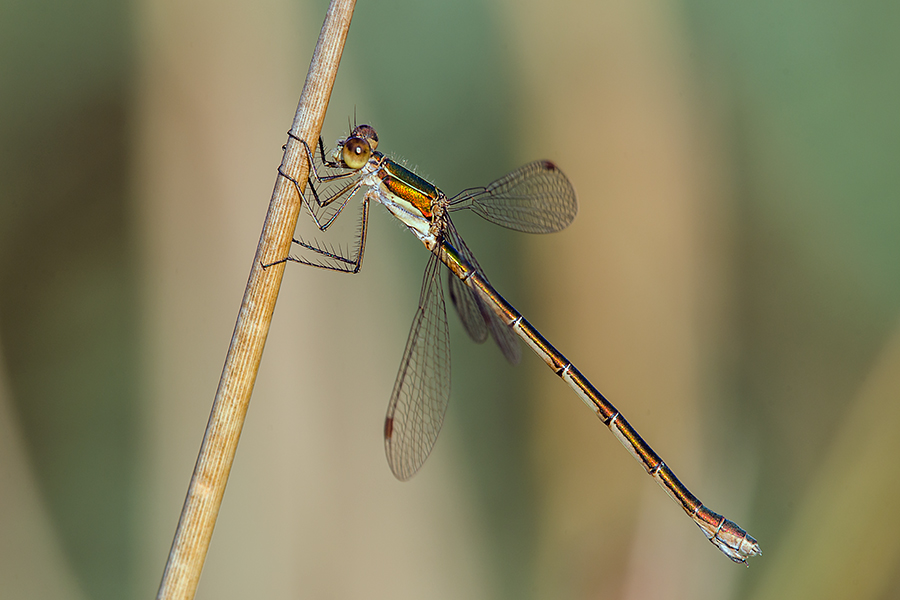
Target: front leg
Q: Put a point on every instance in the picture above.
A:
(346, 192)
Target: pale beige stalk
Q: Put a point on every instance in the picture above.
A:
(207, 487)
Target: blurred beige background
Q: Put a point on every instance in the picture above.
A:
(731, 283)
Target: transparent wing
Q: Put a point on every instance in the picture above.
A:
(469, 307)
(476, 316)
(422, 389)
(536, 198)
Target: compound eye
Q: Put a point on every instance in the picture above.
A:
(356, 153)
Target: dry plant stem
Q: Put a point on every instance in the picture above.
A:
(207, 487)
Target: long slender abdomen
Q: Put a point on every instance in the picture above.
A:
(736, 543)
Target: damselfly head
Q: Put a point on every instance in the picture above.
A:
(355, 152)
(366, 132)
(359, 146)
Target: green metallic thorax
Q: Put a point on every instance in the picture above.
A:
(405, 184)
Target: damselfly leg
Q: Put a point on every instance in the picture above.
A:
(320, 186)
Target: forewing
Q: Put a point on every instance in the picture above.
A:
(535, 198)
(506, 338)
(422, 389)
(469, 307)
(473, 311)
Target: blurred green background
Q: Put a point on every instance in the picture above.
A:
(732, 283)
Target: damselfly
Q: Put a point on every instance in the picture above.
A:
(536, 198)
